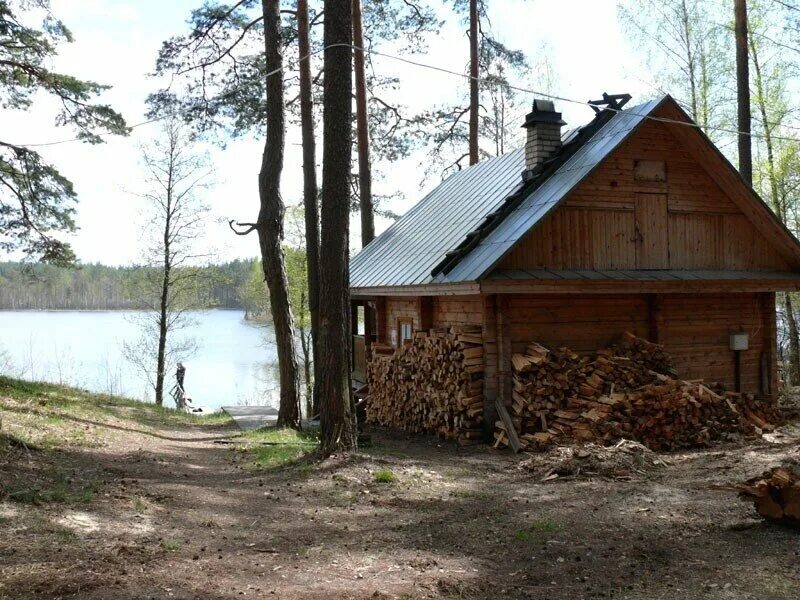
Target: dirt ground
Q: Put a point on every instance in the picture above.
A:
(162, 510)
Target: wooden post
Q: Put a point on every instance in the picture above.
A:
(737, 370)
(368, 317)
(490, 364)
(768, 365)
(504, 374)
(353, 331)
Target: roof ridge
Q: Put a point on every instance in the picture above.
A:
(602, 132)
(473, 238)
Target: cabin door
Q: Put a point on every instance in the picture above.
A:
(652, 231)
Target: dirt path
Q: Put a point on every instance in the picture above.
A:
(176, 515)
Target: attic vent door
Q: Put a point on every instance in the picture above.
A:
(652, 231)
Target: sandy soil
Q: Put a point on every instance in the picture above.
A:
(173, 514)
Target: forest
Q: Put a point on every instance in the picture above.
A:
(26, 286)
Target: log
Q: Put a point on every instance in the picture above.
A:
(432, 384)
(775, 494)
(628, 390)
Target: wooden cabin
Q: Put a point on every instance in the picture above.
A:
(633, 222)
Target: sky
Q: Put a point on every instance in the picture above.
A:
(116, 43)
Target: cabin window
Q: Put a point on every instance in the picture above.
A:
(405, 327)
(654, 171)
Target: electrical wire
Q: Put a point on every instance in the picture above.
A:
(537, 93)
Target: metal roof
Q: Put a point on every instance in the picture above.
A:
(544, 198)
(407, 252)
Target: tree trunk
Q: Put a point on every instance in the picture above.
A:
(474, 101)
(336, 418)
(161, 359)
(310, 191)
(362, 130)
(690, 58)
(793, 371)
(163, 301)
(761, 102)
(270, 221)
(362, 137)
(743, 92)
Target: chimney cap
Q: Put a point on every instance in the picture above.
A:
(543, 112)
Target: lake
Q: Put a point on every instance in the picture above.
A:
(235, 361)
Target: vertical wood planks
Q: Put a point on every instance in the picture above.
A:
(652, 238)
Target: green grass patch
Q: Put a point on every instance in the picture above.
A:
(139, 504)
(170, 545)
(384, 476)
(56, 416)
(59, 492)
(273, 447)
(537, 530)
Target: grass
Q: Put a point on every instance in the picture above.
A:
(276, 447)
(54, 417)
(537, 530)
(58, 492)
(384, 476)
(170, 545)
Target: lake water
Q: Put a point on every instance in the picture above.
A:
(235, 361)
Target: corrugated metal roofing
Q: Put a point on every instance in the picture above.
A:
(407, 252)
(546, 196)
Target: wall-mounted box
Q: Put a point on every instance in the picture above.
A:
(739, 341)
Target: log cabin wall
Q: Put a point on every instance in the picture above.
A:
(616, 218)
(694, 329)
(398, 308)
(457, 310)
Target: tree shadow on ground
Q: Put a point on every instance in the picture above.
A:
(453, 523)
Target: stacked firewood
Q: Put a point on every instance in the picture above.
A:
(776, 494)
(434, 384)
(626, 391)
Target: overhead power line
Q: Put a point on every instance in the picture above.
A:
(483, 80)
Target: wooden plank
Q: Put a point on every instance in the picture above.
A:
(490, 286)
(652, 238)
(513, 438)
(504, 373)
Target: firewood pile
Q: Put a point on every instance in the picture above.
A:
(775, 494)
(627, 391)
(432, 384)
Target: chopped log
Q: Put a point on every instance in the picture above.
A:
(775, 494)
(434, 384)
(625, 391)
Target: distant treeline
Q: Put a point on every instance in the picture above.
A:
(100, 287)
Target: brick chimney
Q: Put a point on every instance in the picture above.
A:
(544, 136)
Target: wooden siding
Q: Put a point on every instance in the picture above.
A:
(395, 309)
(583, 323)
(457, 310)
(694, 328)
(606, 224)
